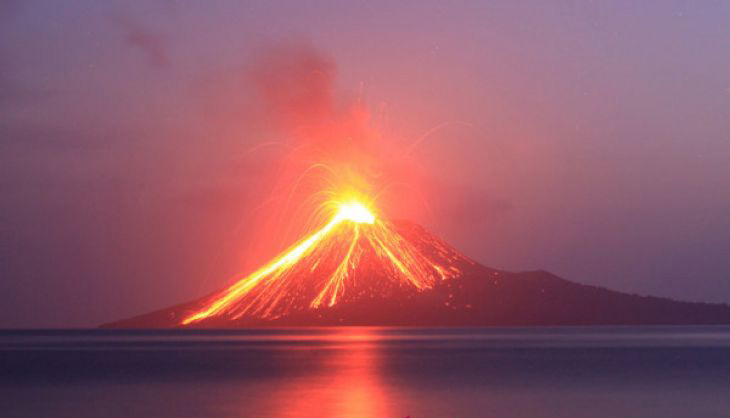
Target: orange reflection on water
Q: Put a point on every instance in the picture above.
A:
(347, 384)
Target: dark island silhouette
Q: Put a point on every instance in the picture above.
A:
(479, 296)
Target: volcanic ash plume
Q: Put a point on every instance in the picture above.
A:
(335, 172)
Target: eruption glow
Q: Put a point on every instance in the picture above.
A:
(327, 258)
(349, 251)
(355, 212)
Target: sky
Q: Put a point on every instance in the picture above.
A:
(589, 139)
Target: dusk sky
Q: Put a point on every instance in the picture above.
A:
(590, 140)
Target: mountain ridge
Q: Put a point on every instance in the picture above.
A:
(478, 296)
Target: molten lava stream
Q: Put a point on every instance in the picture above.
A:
(339, 246)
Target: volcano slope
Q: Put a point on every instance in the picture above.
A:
(362, 276)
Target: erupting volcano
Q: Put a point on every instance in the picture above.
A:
(319, 270)
(354, 253)
(353, 265)
(359, 269)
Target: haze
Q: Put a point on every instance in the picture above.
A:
(588, 139)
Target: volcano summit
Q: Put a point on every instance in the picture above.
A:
(361, 270)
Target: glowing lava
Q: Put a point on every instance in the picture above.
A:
(316, 271)
(355, 212)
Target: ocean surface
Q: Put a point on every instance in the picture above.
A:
(641, 372)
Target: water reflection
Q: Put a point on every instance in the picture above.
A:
(346, 382)
(367, 372)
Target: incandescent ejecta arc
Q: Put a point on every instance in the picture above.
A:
(329, 256)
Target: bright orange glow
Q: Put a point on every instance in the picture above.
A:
(348, 382)
(315, 271)
(355, 212)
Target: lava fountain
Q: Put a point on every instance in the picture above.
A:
(317, 270)
(349, 250)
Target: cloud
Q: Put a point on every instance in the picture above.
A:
(295, 83)
(151, 44)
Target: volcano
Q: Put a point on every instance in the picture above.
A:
(359, 270)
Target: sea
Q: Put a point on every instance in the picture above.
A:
(569, 372)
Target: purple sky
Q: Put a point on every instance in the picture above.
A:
(590, 139)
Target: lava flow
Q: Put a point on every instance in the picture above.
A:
(316, 271)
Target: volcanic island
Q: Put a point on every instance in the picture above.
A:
(359, 269)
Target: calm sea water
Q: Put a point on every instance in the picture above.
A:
(368, 372)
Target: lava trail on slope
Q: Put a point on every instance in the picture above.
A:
(355, 255)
